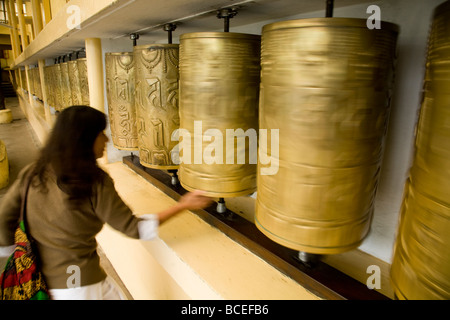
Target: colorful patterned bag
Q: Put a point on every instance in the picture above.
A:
(22, 278)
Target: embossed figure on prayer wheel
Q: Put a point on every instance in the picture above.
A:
(37, 90)
(219, 87)
(31, 80)
(84, 84)
(325, 85)
(421, 265)
(23, 80)
(58, 87)
(74, 82)
(65, 86)
(156, 101)
(120, 78)
(48, 72)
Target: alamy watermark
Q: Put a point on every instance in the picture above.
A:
(374, 21)
(74, 280)
(74, 19)
(374, 280)
(213, 153)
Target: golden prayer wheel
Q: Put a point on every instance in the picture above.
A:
(219, 87)
(120, 77)
(74, 82)
(32, 75)
(156, 101)
(84, 84)
(421, 263)
(50, 87)
(31, 80)
(23, 83)
(65, 86)
(37, 86)
(325, 89)
(58, 87)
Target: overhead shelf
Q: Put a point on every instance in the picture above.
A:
(113, 19)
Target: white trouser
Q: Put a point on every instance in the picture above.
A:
(104, 290)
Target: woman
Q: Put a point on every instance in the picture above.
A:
(70, 199)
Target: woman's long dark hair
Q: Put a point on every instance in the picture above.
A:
(69, 151)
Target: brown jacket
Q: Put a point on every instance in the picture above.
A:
(66, 236)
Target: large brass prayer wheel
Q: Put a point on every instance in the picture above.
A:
(325, 86)
(66, 95)
(120, 78)
(37, 89)
(23, 80)
(74, 82)
(54, 90)
(49, 85)
(421, 263)
(219, 87)
(84, 84)
(156, 101)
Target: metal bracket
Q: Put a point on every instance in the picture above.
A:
(169, 27)
(330, 8)
(226, 15)
(134, 37)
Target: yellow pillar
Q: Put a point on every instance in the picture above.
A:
(13, 21)
(37, 16)
(94, 59)
(23, 25)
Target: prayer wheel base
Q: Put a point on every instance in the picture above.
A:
(323, 280)
(159, 166)
(124, 149)
(309, 259)
(213, 194)
(317, 233)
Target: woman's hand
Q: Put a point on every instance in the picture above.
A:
(190, 201)
(194, 200)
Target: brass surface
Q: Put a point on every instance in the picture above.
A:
(325, 84)
(84, 84)
(48, 73)
(74, 82)
(219, 87)
(23, 83)
(120, 78)
(31, 80)
(66, 95)
(58, 87)
(156, 103)
(421, 263)
(37, 85)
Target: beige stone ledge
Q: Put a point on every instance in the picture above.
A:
(190, 259)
